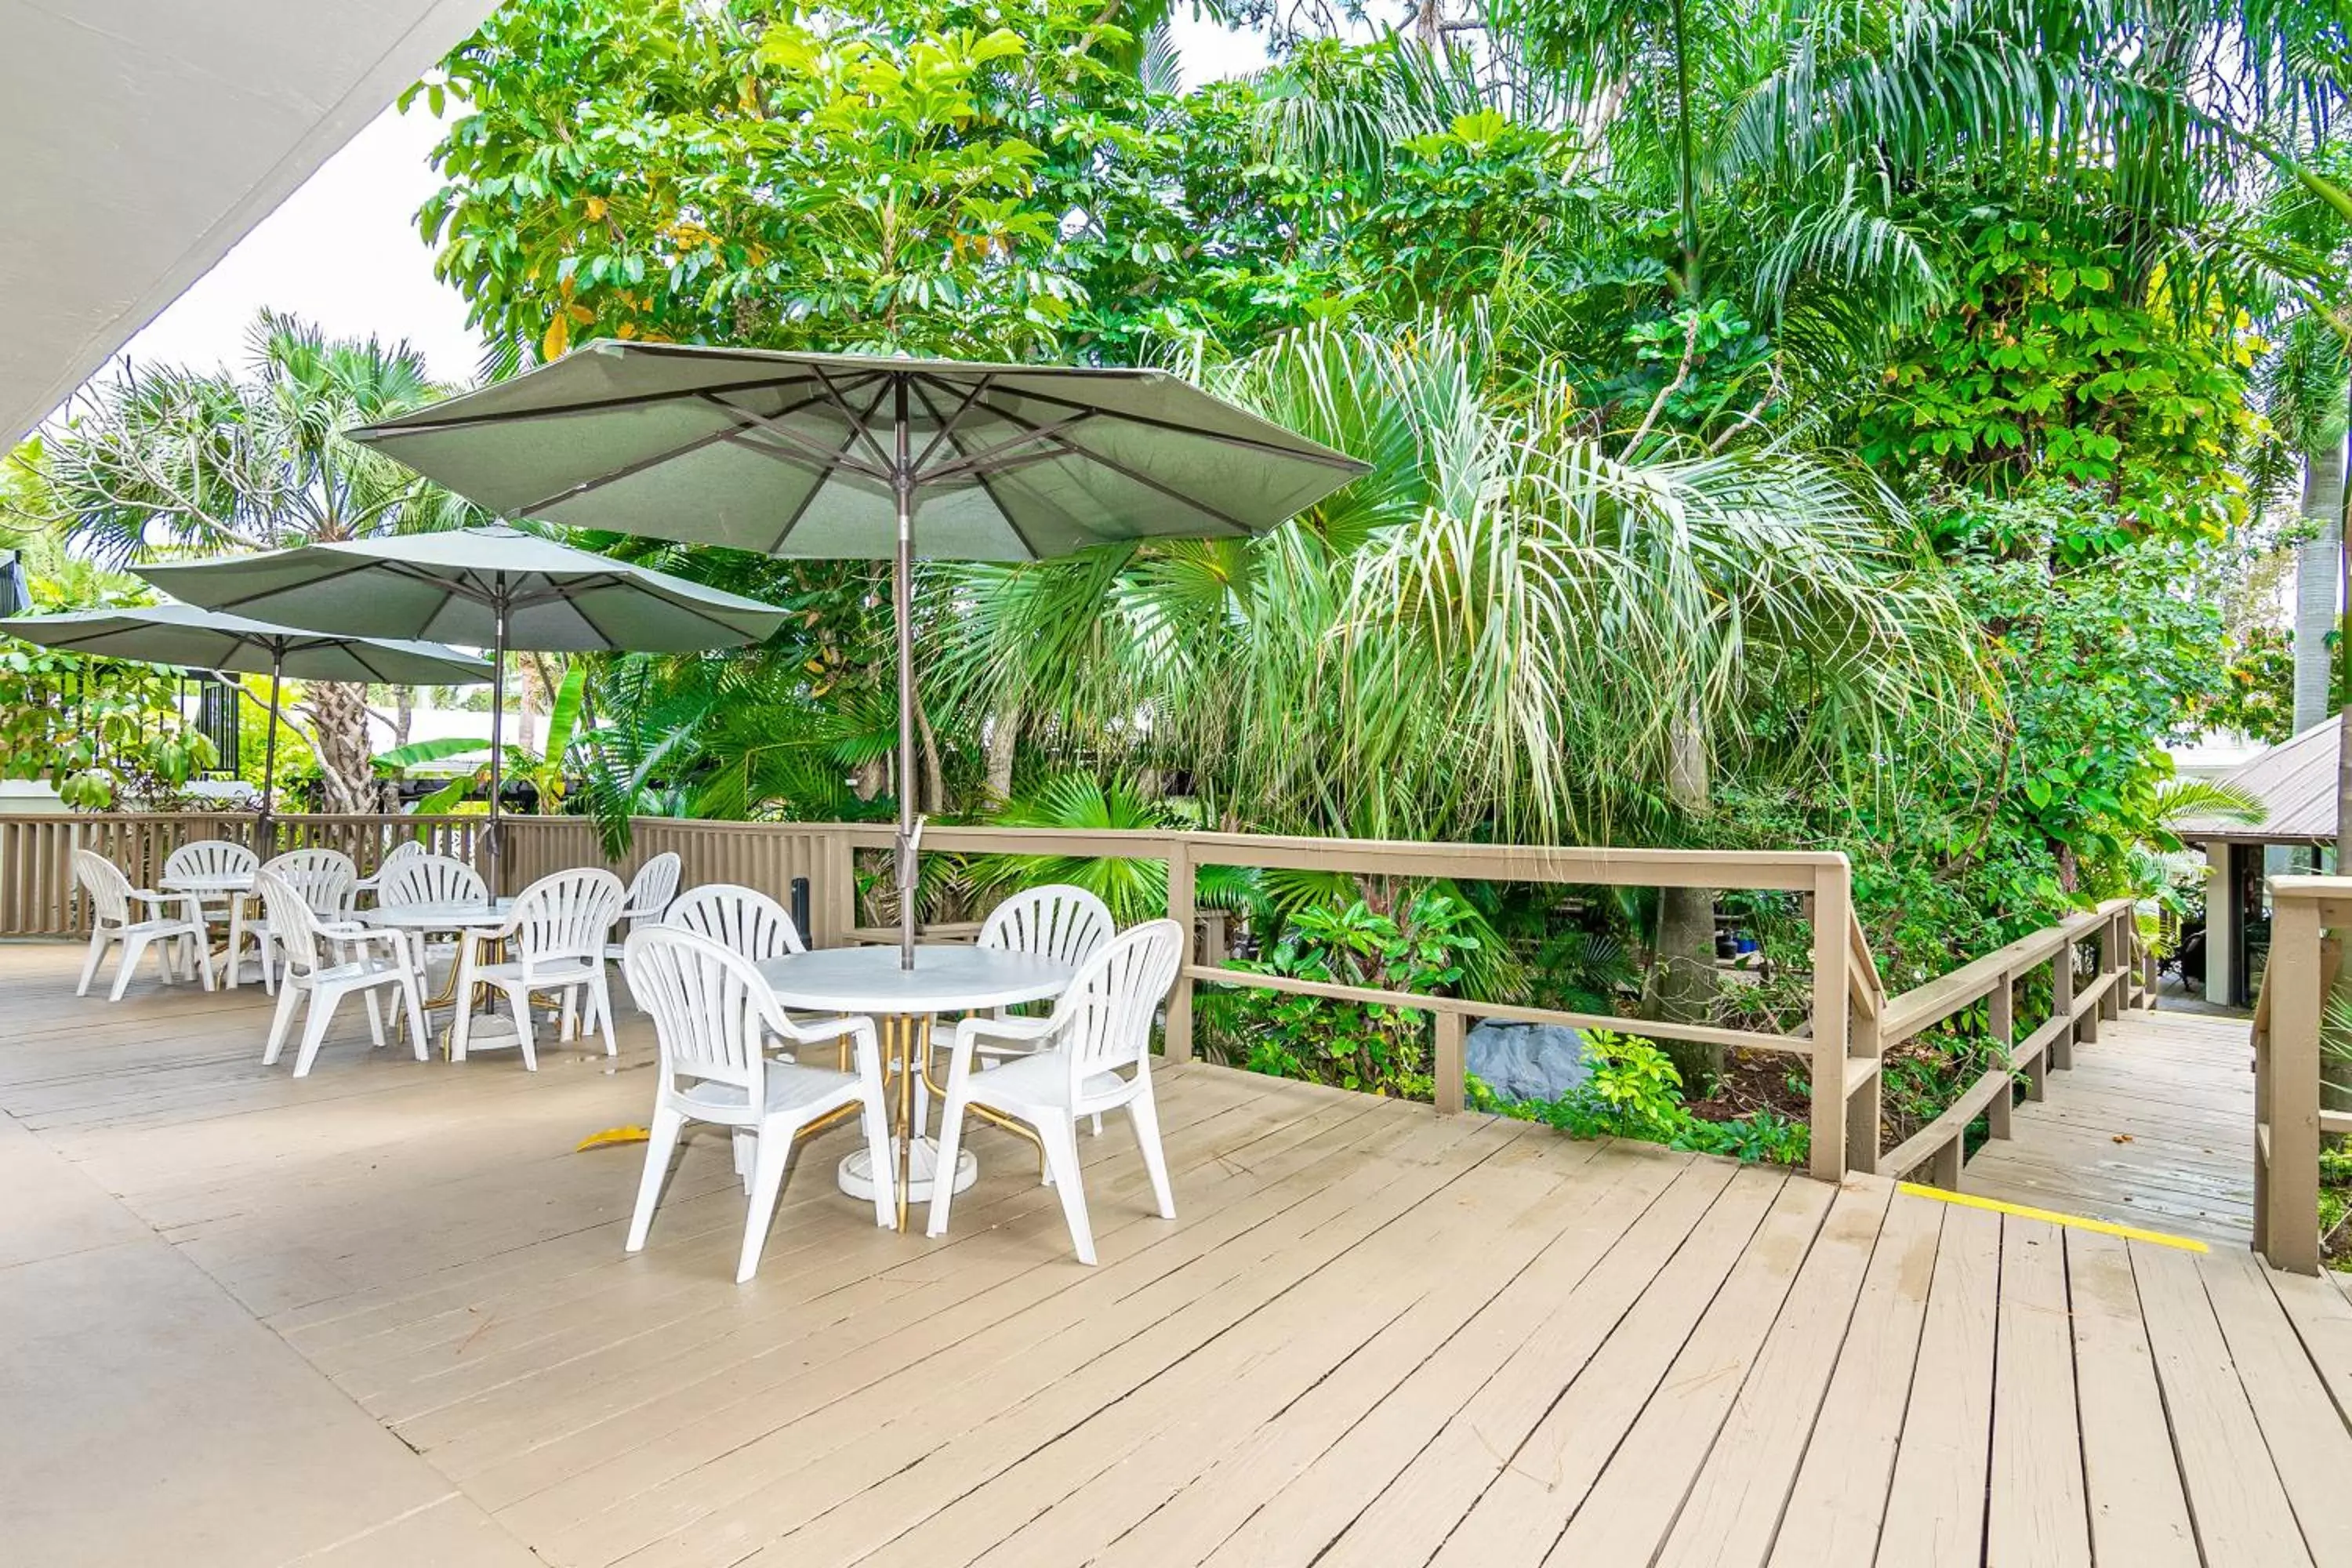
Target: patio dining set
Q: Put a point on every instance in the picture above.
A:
(757, 1036)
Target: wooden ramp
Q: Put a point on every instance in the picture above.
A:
(382, 1316)
(2152, 1126)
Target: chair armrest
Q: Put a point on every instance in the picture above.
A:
(191, 904)
(811, 1031)
(1022, 1031)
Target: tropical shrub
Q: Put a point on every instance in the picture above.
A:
(1633, 1092)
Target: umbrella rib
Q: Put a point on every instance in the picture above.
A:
(627, 470)
(947, 425)
(977, 462)
(1326, 458)
(1146, 481)
(340, 572)
(748, 421)
(563, 410)
(988, 485)
(808, 500)
(859, 422)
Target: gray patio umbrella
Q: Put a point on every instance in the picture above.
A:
(834, 455)
(485, 587)
(195, 638)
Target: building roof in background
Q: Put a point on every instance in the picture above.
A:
(2296, 779)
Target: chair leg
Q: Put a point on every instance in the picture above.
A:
(235, 940)
(314, 1026)
(415, 998)
(875, 1120)
(97, 940)
(661, 1141)
(375, 1018)
(600, 1003)
(279, 1024)
(767, 1181)
(1061, 1136)
(461, 1019)
(1145, 1114)
(520, 997)
(951, 1148)
(203, 959)
(134, 948)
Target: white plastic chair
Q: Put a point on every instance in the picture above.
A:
(175, 920)
(323, 876)
(372, 883)
(1093, 1055)
(651, 891)
(425, 878)
(216, 857)
(555, 931)
(713, 1013)
(743, 920)
(327, 960)
(428, 878)
(1066, 924)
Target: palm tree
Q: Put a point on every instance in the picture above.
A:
(152, 463)
(1506, 630)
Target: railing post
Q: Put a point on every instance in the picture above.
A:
(2289, 1202)
(2061, 1054)
(1832, 960)
(2001, 1022)
(1451, 1066)
(1180, 901)
(2113, 965)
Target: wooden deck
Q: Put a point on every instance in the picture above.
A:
(2152, 1126)
(382, 1316)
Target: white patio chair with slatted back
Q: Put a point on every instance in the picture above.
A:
(428, 878)
(327, 960)
(743, 920)
(372, 883)
(323, 877)
(1092, 1055)
(216, 857)
(1058, 922)
(173, 923)
(554, 936)
(713, 1013)
(651, 891)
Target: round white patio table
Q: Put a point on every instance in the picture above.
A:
(947, 978)
(466, 918)
(233, 886)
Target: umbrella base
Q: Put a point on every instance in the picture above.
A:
(856, 1173)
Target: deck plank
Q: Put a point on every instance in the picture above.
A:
(1935, 1505)
(2138, 1513)
(2235, 1496)
(2036, 1516)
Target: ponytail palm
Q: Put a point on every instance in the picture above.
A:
(1494, 635)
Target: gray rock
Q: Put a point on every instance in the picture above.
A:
(1527, 1061)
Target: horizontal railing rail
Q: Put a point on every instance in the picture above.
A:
(2291, 1115)
(1851, 1022)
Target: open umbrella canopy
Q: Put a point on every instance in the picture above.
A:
(488, 587)
(834, 456)
(803, 454)
(194, 638)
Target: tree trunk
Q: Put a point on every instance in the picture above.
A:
(339, 738)
(1682, 977)
(935, 789)
(2316, 572)
(1003, 743)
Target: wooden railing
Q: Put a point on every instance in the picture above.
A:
(2076, 1008)
(2290, 1118)
(1851, 1020)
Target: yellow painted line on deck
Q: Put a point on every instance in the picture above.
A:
(2104, 1227)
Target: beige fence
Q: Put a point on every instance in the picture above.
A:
(2289, 1116)
(1851, 1020)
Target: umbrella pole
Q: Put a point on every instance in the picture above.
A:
(269, 755)
(498, 744)
(903, 604)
